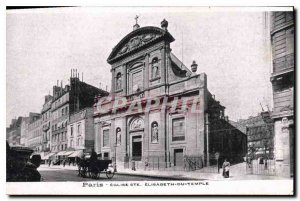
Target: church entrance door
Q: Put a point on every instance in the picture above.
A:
(137, 147)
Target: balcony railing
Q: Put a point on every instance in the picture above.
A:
(283, 63)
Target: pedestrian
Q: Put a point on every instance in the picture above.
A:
(93, 156)
(225, 168)
(30, 171)
(64, 162)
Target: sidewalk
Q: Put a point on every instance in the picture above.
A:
(237, 172)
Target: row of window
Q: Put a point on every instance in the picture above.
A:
(46, 116)
(34, 124)
(79, 142)
(79, 129)
(35, 133)
(57, 148)
(59, 137)
(137, 77)
(178, 132)
(60, 101)
(61, 112)
(59, 126)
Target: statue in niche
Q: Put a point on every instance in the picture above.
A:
(118, 134)
(155, 68)
(119, 82)
(154, 130)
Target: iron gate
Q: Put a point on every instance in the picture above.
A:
(260, 166)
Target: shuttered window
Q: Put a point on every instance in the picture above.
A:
(178, 133)
(105, 138)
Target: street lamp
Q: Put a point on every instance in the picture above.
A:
(115, 166)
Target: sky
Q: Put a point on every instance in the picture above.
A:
(43, 45)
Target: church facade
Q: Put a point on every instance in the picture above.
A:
(158, 110)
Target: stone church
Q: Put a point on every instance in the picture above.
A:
(174, 130)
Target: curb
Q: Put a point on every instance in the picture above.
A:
(158, 176)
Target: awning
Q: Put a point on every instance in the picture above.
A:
(77, 153)
(47, 156)
(61, 153)
(67, 153)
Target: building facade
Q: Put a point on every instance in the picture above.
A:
(158, 109)
(46, 119)
(67, 101)
(13, 132)
(260, 136)
(283, 81)
(81, 130)
(35, 135)
(24, 131)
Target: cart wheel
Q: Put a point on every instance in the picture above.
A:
(110, 174)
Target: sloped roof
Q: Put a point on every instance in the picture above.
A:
(179, 64)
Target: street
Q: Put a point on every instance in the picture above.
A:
(64, 175)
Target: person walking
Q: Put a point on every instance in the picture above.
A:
(225, 168)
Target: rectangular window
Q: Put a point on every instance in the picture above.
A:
(106, 155)
(137, 81)
(105, 138)
(62, 112)
(79, 129)
(178, 129)
(72, 131)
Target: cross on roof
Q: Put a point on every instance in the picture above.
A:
(136, 19)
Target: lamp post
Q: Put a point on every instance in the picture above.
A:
(115, 166)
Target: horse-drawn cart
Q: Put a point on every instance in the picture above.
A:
(88, 168)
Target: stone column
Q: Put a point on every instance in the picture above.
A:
(146, 72)
(146, 140)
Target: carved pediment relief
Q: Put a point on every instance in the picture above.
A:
(137, 41)
(137, 123)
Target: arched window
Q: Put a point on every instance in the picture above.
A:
(119, 81)
(118, 136)
(154, 132)
(155, 68)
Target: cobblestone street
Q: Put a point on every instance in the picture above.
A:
(57, 174)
